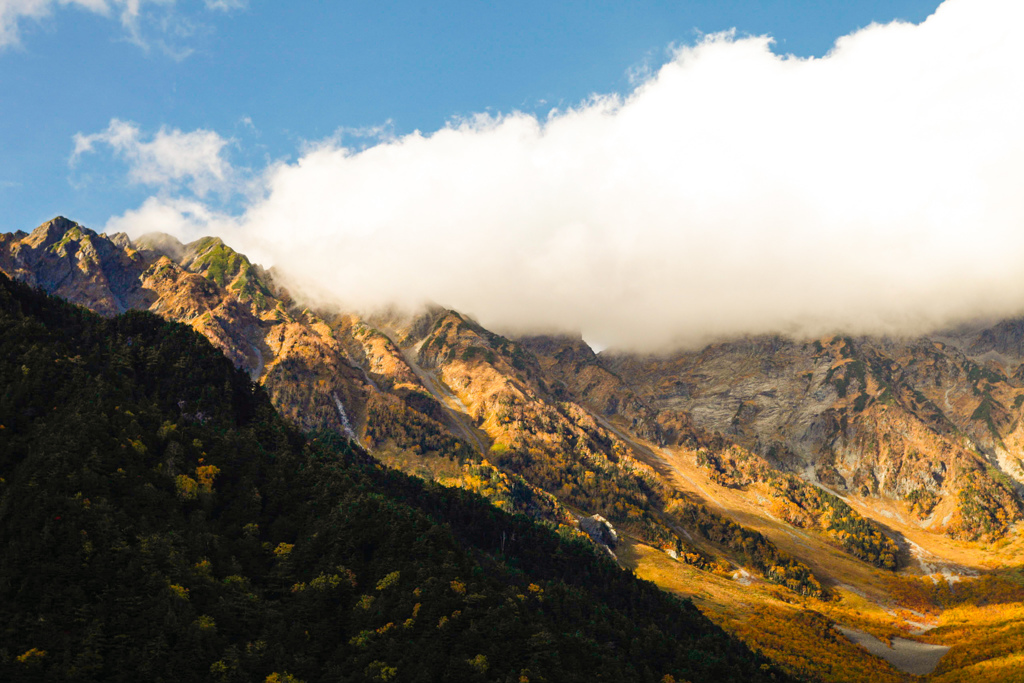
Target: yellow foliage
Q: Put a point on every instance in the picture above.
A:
(206, 474)
(186, 486)
(281, 678)
(236, 580)
(325, 581)
(283, 550)
(479, 663)
(388, 581)
(220, 668)
(31, 655)
(179, 591)
(380, 671)
(360, 639)
(458, 587)
(203, 568)
(206, 623)
(166, 430)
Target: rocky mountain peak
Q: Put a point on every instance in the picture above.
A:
(52, 231)
(76, 263)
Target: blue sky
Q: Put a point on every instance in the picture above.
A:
(270, 78)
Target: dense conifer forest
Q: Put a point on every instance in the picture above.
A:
(159, 521)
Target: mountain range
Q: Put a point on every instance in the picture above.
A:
(807, 494)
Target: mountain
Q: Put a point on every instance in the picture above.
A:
(786, 486)
(159, 520)
(476, 400)
(917, 421)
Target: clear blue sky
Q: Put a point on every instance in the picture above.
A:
(272, 76)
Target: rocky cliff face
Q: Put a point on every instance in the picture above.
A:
(73, 262)
(917, 421)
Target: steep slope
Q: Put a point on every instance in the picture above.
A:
(303, 362)
(213, 289)
(158, 519)
(914, 421)
(762, 489)
(587, 464)
(792, 499)
(289, 349)
(70, 261)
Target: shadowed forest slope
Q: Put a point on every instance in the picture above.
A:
(159, 520)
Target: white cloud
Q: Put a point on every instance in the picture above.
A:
(183, 218)
(877, 189)
(169, 159)
(132, 15)
(226, 5)
(12, 11)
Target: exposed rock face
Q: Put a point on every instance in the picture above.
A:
(322, 370)
(601, 530)
(577, 374)
(908, 420)
(73, 262)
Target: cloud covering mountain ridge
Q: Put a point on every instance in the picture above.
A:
(735, 191)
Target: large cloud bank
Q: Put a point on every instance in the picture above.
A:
(877, 189)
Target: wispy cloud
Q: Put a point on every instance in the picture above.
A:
(877, 189)
(145, 22)
(169, 159)
(226, 5)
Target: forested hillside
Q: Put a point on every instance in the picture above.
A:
(159, 521)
